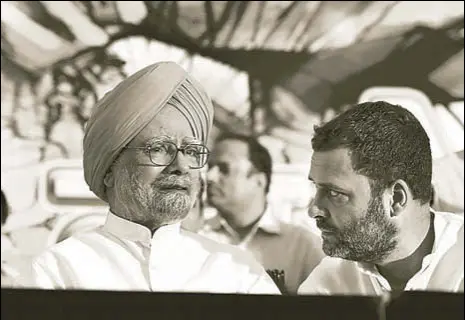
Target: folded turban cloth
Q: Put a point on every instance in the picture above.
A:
(124, 111)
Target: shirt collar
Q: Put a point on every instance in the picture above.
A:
(444, 238)
(132, 231)
(368, 268)
(268, 222)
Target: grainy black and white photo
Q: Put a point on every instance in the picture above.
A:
(231, 159)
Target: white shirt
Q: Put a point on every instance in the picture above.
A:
(442, 269)
(275, 244)
(122, 255)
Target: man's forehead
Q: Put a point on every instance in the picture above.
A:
(338, 160)
(167, 131)
(332, 167)
(152, 136)
(173, 136)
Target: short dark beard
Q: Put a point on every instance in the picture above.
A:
(370, 239)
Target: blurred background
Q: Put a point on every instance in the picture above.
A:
(274, 69)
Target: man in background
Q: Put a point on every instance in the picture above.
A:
(238, 182)
(372, 168)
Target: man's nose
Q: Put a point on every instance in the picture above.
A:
(316, 208)
(179, 165)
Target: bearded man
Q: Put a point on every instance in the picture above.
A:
(372, 168)
(143, 147)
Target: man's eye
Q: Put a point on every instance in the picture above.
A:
(159, 148)
(334, 194)
(191, 152)
(337, 198)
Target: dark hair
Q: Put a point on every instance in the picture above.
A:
(259, 156)
(386, 142)
(5, 208)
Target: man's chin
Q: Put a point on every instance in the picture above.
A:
(169, 216)
(331, 249)
(177, 219)
(350, 255)
(173, 191)
(175, 205)
(338, 254)
(174, 195)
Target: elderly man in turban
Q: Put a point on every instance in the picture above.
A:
(143, 147)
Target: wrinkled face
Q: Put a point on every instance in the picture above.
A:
(230, 182)
(157, 195)
(354, 223)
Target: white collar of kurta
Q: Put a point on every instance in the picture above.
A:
(268, 222)
(442, 242)
(132, 231)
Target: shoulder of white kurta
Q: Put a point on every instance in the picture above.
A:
(70, 246)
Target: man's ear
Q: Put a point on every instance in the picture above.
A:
(109, 179)
(399, 197)
(261, 179)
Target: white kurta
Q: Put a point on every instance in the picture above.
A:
(122, 255)
(442, 270)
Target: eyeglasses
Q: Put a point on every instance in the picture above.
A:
(164, 153)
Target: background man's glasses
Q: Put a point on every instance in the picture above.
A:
(164, 153)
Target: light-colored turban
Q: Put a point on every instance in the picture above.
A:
(124, 111)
